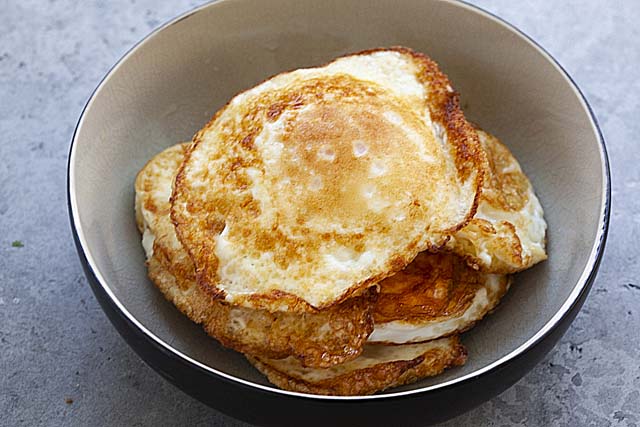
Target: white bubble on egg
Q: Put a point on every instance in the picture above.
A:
(359, 148)
(327, 153)
(377, 168)
(316, 183)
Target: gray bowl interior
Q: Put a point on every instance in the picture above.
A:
(170, 85)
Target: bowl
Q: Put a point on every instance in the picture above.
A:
(168, 86)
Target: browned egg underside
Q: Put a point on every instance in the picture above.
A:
(432, 286)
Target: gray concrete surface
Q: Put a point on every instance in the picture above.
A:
(61, 362)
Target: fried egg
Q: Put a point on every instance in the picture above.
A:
(318, 339)
(379, 367)
(508, 232)
(320, 182)
(435, 296)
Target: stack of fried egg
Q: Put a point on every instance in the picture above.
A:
(340, 225)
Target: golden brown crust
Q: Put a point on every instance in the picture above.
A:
(443, 106)
(359, 383)
(436, 296)
(508, 233)
(501, 238)
(433, 286)
(443, 103)
(317, 339)
(506, 187)
(363, 378)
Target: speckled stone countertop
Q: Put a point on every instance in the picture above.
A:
(61, 361)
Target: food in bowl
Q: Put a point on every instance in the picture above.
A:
(340, 225)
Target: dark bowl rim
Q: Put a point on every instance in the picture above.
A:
(579, 291)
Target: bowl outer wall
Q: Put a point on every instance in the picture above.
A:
(275, 408)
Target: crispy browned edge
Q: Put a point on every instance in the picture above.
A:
(497, 301)
(212, 314)
(443, 104)
(515, 246)
(468, 326)
(372, 379)
(501, 268)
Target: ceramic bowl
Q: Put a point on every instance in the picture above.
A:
(171, 83)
